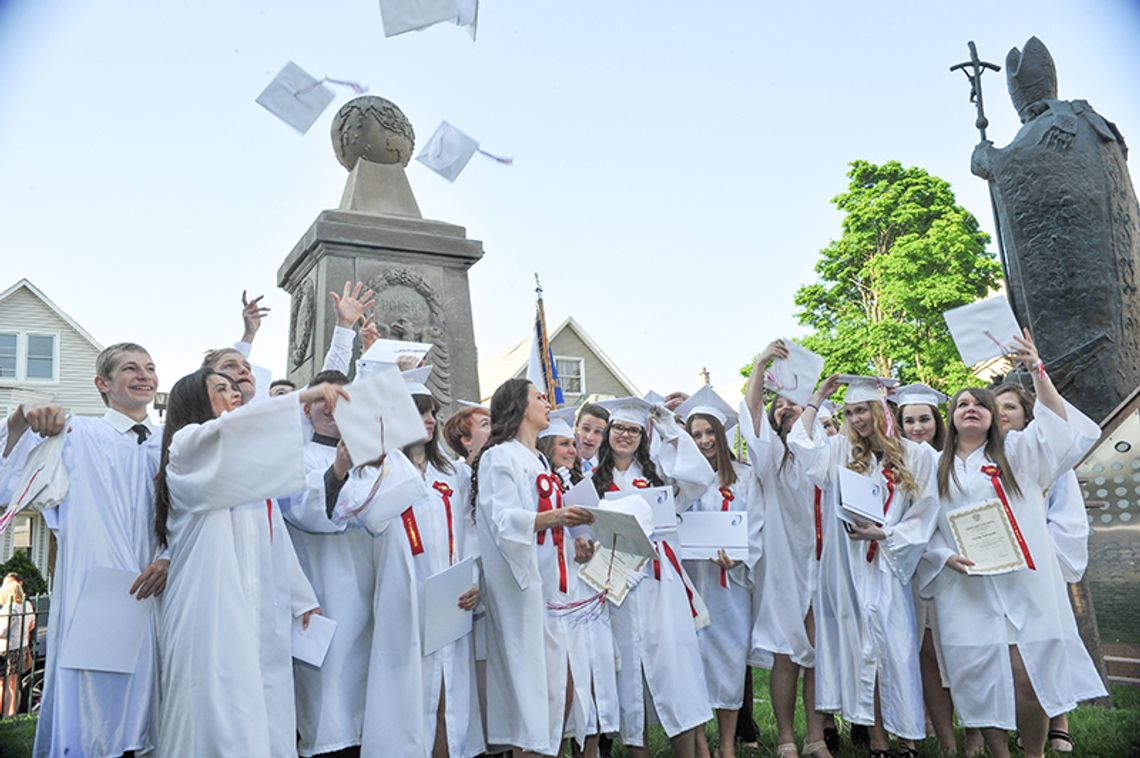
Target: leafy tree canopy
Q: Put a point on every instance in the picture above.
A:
(908, 252)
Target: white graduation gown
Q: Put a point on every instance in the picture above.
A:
(725, 642)
(218, 697)
(449, 671)
(980, 616)
(1068, 525)
(864, 609)
(789, 567)
(528, 656)
(106, 520)
(339, 561)
(655, 628)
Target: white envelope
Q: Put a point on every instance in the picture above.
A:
(444, 621)
(296, 97)
(660, 499)
(106, 632)
(795, 377)
(382, 397)
(624, 524)
(983, 330)
(703, 533)
(861, 497)
(311, 645)
(388, 351)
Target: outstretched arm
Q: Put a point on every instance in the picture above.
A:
(754, 391)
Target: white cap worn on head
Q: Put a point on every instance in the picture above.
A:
(448, 151)
(469, 404)
(706, 401)
(866, 389)
(296, 97)
(561, 424)
(826, 410)
(416, 379)
(629, 410)
(917, 394)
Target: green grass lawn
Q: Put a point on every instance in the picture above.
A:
(1098, 732)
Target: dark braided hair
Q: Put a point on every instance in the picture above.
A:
(508, 406)
(604, 472)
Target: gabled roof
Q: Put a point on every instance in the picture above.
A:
(54, 308)
(512, 362)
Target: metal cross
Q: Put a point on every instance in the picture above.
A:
(973, 69)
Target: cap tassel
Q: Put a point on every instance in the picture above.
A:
(497, 158)
(587, 609)
(359, 89)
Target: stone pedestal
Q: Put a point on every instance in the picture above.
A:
(417, 268)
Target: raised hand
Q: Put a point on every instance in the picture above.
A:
(325, 392)
(775, 349)
(251, 314)
(351, 305)
(369, 334)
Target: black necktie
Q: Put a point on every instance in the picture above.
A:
(141, 432)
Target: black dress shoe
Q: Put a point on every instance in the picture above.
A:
(831, 739)
(860, 736)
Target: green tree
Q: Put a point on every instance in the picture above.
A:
(908, 252)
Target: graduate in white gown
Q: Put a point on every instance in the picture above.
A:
(589, 430)
(338, 560)
(528, 574)
(592, 642)
(866, 640)
(1009, 641)
(106, 520)
(920, 420)
(655, 628)
(725, 584)
(217, 454)
(783, 624)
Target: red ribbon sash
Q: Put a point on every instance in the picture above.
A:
(639, 484)
(994, 473)
(413, 531)
(727, 497)
(446, 492)
(547, 486)
(677, 567)
(892, 478)
(269, 514)
(818, 524)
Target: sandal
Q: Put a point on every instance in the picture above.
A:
(786, 747)
(1064, 737)
(811, 748)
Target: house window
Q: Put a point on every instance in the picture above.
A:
(41, 356)
(571, 375)
(29, 357)
(9, 352)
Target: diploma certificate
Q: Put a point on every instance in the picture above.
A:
(613, 571)
(984, 535)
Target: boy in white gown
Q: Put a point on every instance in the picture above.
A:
(106, 520)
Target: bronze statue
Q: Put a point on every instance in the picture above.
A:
(1069, 232)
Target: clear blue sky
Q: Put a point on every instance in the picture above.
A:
(673, 161)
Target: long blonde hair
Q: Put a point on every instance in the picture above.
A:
(892, 447)
(11, 591)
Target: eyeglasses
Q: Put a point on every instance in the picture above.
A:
(620, 430)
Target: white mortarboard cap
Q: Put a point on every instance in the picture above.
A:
(982, 330)
(469, 404)
(630, 410)
(706, 401)
(561, 424)
(826, 410)
(416, 379)
(866, 389)
(917, 394)
(448, 151)
(296, 97)
(656, 398)
(400, 16)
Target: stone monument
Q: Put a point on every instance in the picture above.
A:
(417, 267)
(1069, 232)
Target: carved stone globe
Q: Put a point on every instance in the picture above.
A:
(374, 129)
